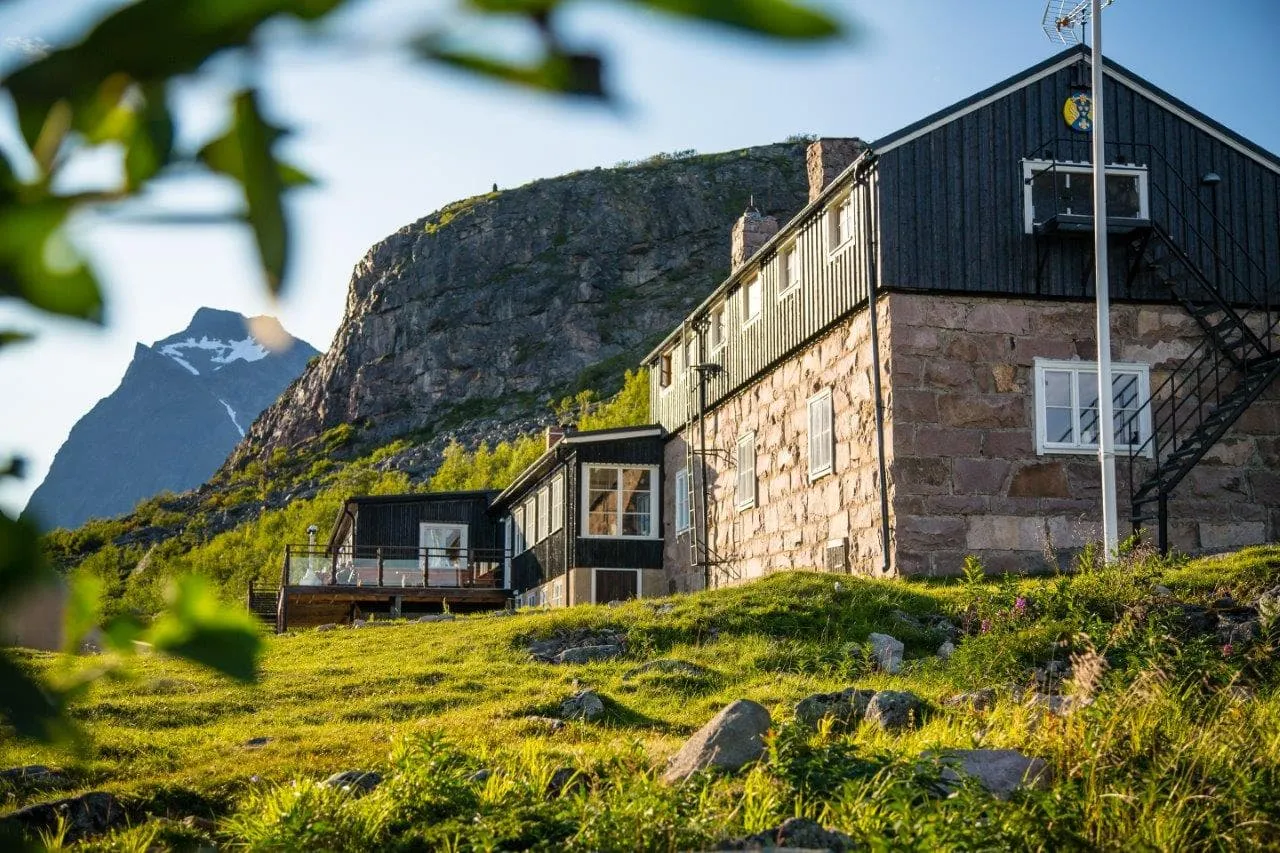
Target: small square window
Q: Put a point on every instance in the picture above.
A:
(1067, 406)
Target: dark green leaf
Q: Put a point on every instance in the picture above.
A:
(519, 7)
(781, 19)
(40, 266)
(13, 336)
(84, 605)
(198, 627)
(151, 144)
(34, 712)
(263, 188)
(562, 73)
(149, 42)
(120, 633)
(22, 563)
(223, 156)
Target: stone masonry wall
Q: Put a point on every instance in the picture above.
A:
(966, 478)
(792, 520)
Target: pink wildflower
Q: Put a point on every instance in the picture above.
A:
(1226, 650)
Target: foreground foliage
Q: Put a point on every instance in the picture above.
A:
(1179, 749)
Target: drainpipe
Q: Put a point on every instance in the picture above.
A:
(873, 281)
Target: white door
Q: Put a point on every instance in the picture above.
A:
(444, 552)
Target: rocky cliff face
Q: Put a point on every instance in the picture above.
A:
(499, 302)
(184, 403)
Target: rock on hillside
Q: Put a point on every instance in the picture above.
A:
(502, 300)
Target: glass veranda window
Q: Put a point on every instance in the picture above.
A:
(620, 501)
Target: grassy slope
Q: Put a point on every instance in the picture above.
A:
(1166, 757)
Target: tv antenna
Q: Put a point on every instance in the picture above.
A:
(1061, 17)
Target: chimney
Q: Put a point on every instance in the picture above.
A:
(827, 158)
(555, 434)
(750, 232)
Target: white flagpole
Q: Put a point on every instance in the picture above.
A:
(1106, 417)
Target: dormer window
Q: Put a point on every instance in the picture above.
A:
(751, 300)
(840, 223)
(664, 369)
(788, 271)
(715, 328)
(1058, 196)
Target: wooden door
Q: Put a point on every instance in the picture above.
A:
(615, 585)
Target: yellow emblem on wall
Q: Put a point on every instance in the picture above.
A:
(1078, 111)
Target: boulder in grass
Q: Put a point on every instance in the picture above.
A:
(588, 654)
(846, 707)
(86, 815)
(795, 833)
(356, 781)
(583, 705)
(33, 776)
(732, 739)
(894, 709)
(887, 652)
(978, 700)
(1000, 771)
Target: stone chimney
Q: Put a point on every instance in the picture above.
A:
(555, 434)
(827, 158)
(750, 232)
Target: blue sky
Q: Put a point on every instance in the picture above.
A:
(392, 140)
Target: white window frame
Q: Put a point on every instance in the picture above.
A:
(557, 503)
(544, 512)
(519, 542)
(666, 369)
(639, 581)
(1031, 167)
(683, 518)
(716, 328)
(821, 402)
(838, 235)
(744, 496)
(788, 262)
(1075, 367)
(655, 497)
(752, 284)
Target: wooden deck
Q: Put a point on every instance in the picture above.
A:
(308, 606)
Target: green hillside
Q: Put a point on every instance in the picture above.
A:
(1179, 750)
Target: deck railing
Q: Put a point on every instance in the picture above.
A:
(393, 566)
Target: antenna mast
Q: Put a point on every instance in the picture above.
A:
(1059, 22)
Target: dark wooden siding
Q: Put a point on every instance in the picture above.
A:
(951, 200)
(620, 553)
(831, 286)
(396, 523)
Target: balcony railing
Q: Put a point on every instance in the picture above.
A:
(393, 566)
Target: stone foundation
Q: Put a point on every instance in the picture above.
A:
(965, 476)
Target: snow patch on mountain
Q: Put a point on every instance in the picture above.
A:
(218, 352)
(232, 413)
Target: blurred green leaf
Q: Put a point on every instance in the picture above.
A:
(121, 633)
(39, 265)
(151, 144)
(781, 19)
(150, 42)
(519, 7)
(223, 155)
(562, 73)
(200, 628)
(22, 562)
(263, 188)
(84, 606)
(13, 336)
(34, 712)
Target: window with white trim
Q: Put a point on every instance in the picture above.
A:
(751, 300)
(840, 223)
(821, 435)
(745, 492)
(557, 503)
(1067, 406)
(518, 536)
(544, 512)
(1056, 188)
(715, 328)
(664, 370)
(683, 520)
(788, 271)
(620, 501)
(690, 350)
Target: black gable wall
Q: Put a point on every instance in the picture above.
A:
(951, 200)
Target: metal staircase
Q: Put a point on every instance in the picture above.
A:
(717, 568)
(263, 603)
(1236, 360)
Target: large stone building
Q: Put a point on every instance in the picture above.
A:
(902, 374)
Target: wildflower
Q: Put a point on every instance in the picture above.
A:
(1020, 606)
(1226, 650)
(985, 627)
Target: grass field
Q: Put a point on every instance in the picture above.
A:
(1179, 750)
